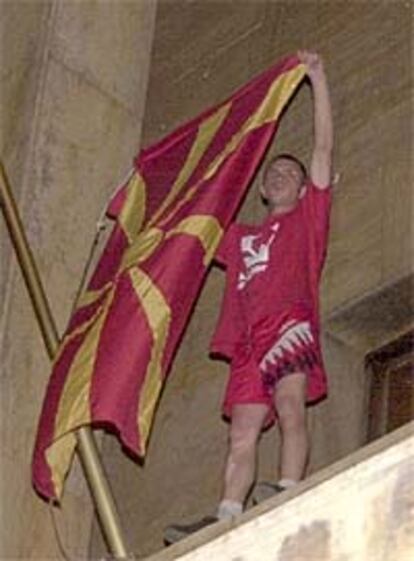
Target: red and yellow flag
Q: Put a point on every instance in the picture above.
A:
(170, 217)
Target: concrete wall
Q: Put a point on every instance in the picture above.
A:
(73, 86)
(202, 52)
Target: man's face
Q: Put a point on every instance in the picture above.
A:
(282, 183)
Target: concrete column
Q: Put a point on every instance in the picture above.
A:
(73, 93)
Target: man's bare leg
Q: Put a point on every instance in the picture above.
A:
(291, 408)
(246, 425)
(290, 404)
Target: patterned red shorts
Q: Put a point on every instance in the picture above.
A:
(290, 345)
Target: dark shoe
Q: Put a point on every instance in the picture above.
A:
(177, 532)
(264, 490)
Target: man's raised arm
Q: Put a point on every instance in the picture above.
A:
(321, 163)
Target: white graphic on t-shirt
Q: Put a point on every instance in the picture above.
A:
(255, 260)
(294, 338)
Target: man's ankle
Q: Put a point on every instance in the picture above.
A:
(229, 509)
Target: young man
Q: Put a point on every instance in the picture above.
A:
(269, 322)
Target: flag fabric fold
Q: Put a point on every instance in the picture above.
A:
(169, 219)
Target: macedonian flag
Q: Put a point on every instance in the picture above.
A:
(170, 216)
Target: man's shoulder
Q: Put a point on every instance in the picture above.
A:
(243, 228)
(238, 229)
(312, 186)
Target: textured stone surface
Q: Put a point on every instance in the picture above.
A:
(18, 83)
(110, 56)
(377, 319)
(73, 90)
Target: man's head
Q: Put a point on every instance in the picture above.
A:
(283, 182)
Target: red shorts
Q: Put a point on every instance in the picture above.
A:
(275, 350)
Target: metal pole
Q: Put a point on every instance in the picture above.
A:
(86, 445)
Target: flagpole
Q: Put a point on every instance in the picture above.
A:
(86, 444)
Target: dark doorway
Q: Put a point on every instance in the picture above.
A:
(391, 401)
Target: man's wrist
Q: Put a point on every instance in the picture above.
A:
(317, 75)
(318, 78)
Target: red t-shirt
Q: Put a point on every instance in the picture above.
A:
(272, 268)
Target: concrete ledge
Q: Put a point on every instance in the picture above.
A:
(360, 508)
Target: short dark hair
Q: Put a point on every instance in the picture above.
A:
(290, 157)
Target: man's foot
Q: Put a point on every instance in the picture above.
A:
(264, 490)
(178, 532)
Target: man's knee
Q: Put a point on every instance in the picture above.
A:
(291, 410)
(243, 440)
